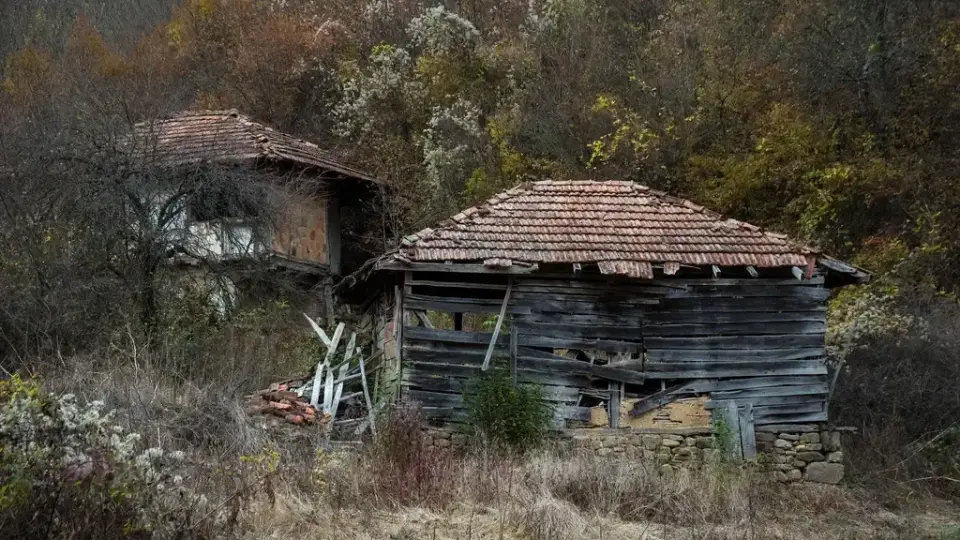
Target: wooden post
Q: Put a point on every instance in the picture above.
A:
(371, 415)
(613, 404)
(496, 329)
(748, 435)
(732, 420)
(318, 377)
(514, 339)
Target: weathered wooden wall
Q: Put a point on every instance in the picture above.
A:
(756, 341)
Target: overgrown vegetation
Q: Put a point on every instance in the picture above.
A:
(833, 122)
(506, 416)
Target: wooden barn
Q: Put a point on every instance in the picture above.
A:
(617, 299)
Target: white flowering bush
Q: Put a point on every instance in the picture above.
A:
(450, 142)
(67, 470)
(380, 91)
(858, 319)
(442, 32)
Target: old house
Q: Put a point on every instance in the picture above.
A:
(636, 311)
(322, 230)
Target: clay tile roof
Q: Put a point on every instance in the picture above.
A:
(623, 226)
(225, 136)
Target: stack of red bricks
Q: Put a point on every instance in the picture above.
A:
(279, 400)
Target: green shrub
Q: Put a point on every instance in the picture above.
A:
(510, 418)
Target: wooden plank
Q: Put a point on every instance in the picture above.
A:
(633, 333)
(319, 331)
(768, 401)
(393, 264)
(657, 400)
(463, 306)
(666, 318)
(772, 391)
(418, 386)
(777, 341)
(325, 365)
(732, 369)
(514, 335)
(423, 318)
(731, 420)
(791, 418)
(714, 385)
(496, 329)
(344, 368)
(458, 285)
(613, 408)
(816, 281)
(526, 373)
(748, 436)
(371, 414)
(417, 333)
(576, 366)
(728, 355)
(750, 289)
(530, 340)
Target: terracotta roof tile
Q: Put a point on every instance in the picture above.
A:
(625, 226)
(198, 136)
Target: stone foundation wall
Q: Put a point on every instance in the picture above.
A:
(789, 453)
(812, 456)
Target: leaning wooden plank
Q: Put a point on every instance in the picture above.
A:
(422, 317)
(317, 379)
(790, 418)
(530, 340)
(576, 366)
(748, 436)
(371, 415)
(460, 307)
(524, 374)
(657, 400)
(319, 331)
(496, 329)
(344, 368)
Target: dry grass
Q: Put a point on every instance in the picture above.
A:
(402, 489)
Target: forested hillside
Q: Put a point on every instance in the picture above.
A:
(837, 123)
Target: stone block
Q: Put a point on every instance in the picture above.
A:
(672, 437)
(667, 473)
(670, 443)
(824, 473)
(790, 437)
(780, 476)
(835, 457)
(651, 442)
(810, 438)
(830, 440)
(763, 436)
(690, 441)
(799, 464)
(794, 475)
(704, 442)
(604, 452)
(812, 447)
(811, 456)
(783, 444)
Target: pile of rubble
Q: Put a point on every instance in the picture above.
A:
(283, 400)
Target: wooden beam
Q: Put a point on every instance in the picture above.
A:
(797, 273)
(496, 329)
(752, 271)
(514, 338)
(515, 268)
(613, 405)
(657, 400)
(748, 435)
